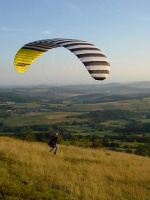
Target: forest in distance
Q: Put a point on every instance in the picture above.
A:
(113, 116)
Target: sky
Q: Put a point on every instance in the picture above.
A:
(120, 28)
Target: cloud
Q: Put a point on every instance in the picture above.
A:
(11, 29)
(118, 11)
(72, 7)
(146, 18)
(46, 32)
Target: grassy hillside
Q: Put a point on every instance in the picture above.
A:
(29, 171)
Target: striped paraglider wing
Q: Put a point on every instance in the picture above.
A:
(93, 58)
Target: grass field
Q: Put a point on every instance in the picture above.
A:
(29, 171)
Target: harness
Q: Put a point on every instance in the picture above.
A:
(52, 142)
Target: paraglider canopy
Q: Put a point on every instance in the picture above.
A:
(92, 58)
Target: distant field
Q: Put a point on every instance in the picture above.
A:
(56, 115)
(145, 120)
(22, 120)
(69, 112)
(135, 105)
(115, 123)
(41, 118)
(26, 105)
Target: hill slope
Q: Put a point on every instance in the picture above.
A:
(29, 171)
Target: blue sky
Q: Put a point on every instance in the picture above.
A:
(120, 28)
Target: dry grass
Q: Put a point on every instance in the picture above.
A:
(74, 173)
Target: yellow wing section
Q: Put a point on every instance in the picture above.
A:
(24, 58)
